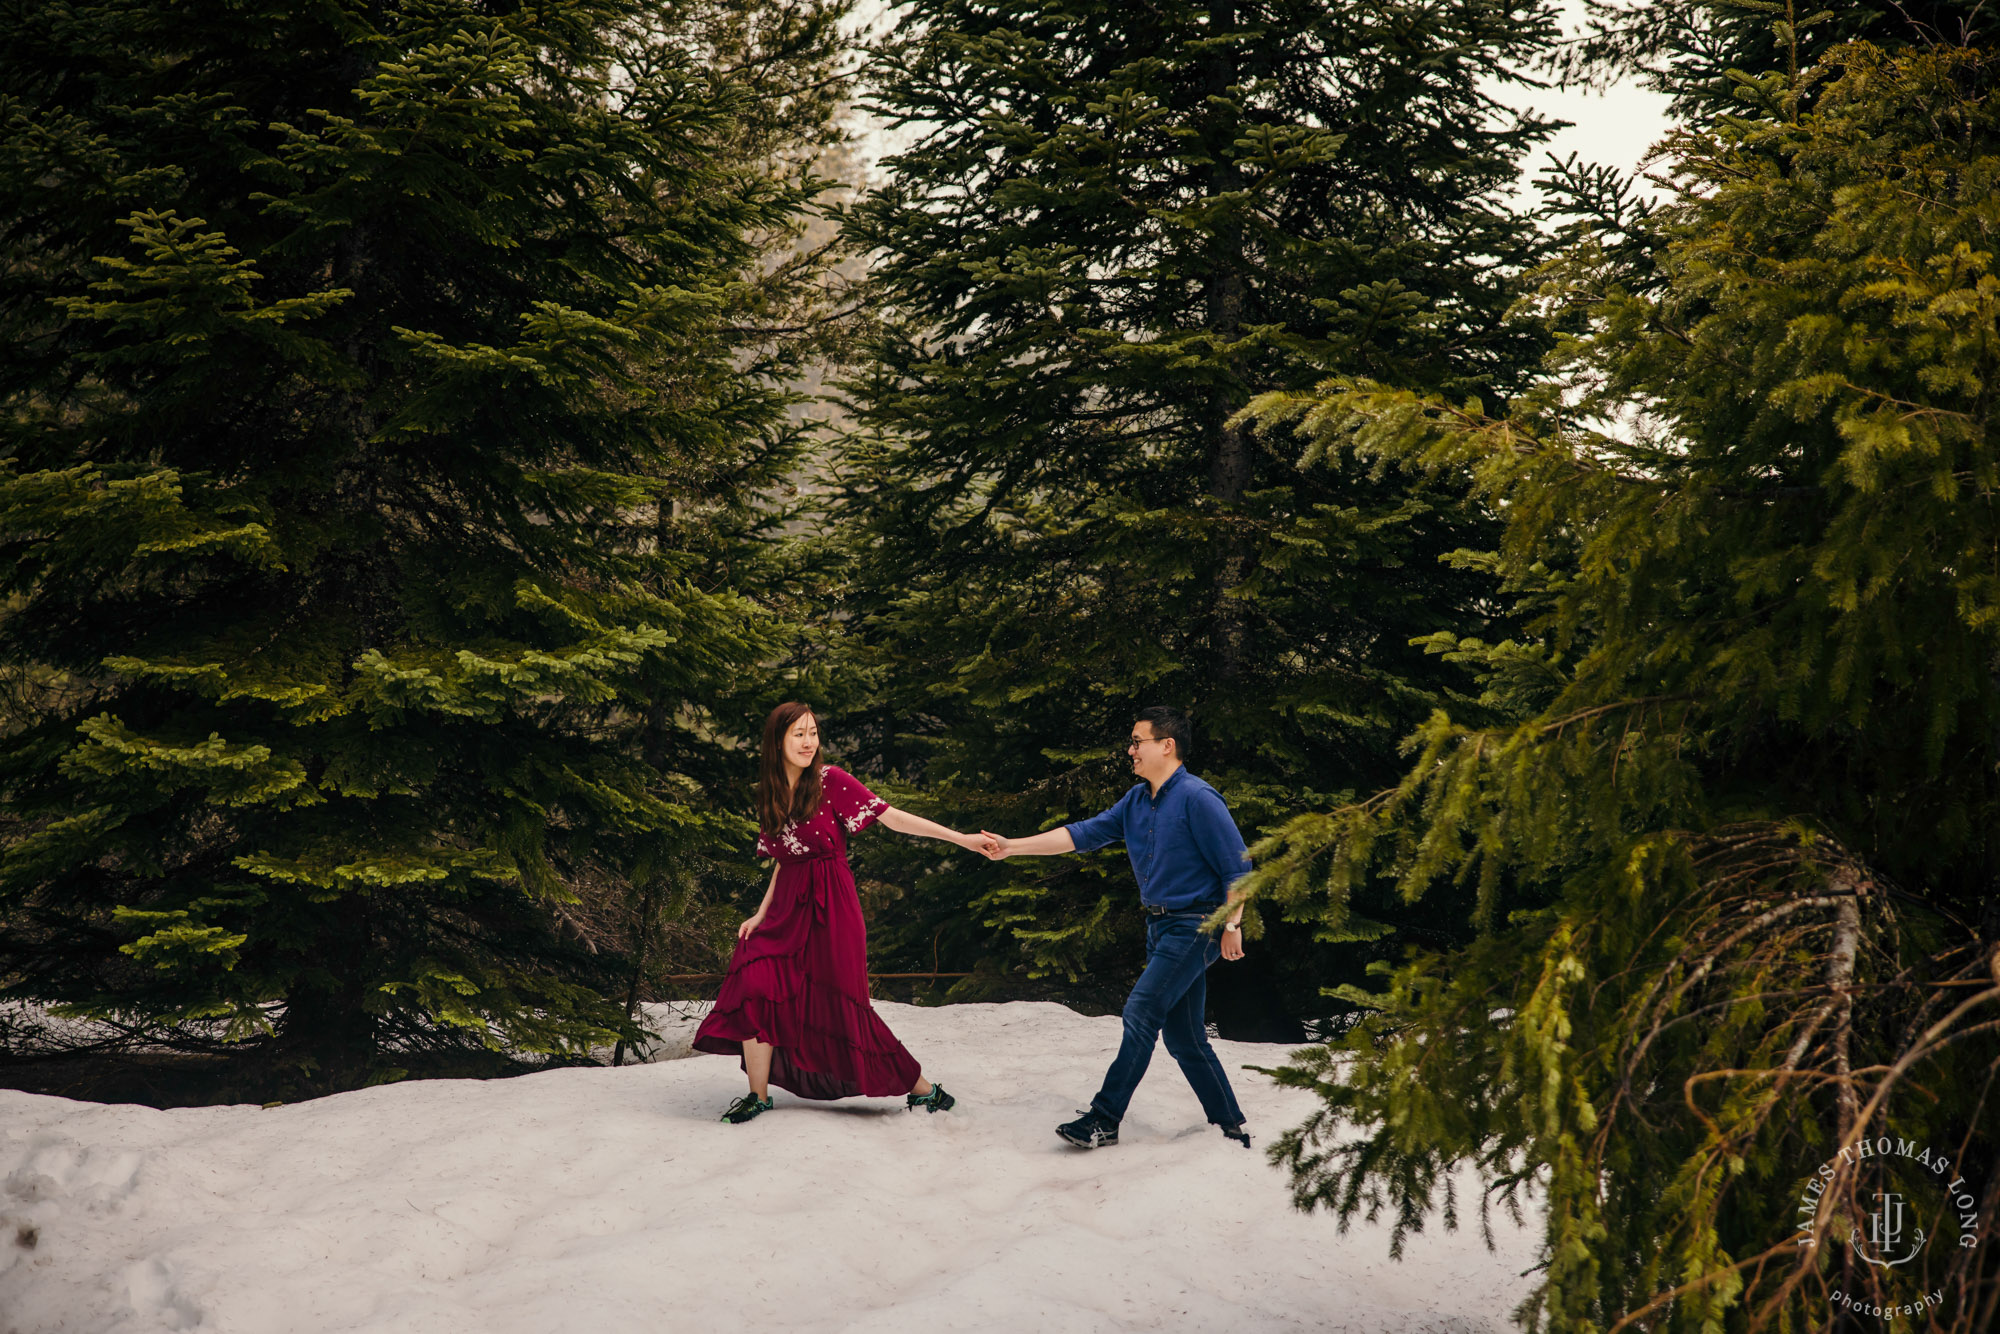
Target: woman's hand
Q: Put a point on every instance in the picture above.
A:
(750, 924)
(986, 845)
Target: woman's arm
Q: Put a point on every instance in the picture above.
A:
(756, 919)
(916, 826)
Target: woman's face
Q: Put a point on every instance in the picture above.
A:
(802, 741)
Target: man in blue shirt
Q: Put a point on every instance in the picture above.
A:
(1186, 852)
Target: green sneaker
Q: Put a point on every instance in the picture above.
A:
(745, 1107)
(937, 1100)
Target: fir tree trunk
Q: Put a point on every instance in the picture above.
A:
(642, 939)
(1229, 457)
(327, 1033)
(1840, 985)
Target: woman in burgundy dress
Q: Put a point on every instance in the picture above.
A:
(795, 1005)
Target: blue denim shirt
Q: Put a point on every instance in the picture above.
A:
(1185, 849)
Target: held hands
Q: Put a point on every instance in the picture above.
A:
(983, 843)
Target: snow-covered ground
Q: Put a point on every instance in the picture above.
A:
(602, 1200)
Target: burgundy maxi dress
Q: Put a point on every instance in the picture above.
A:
(800, 982)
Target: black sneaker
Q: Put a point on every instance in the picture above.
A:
(1237, 1133)
(747, 1106)
(937, 1100)
(1092, 1130)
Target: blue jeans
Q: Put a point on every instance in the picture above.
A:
(1168, 1002)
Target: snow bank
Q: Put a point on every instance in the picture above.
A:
(603, 1200)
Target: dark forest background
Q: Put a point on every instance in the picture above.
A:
(436, 433)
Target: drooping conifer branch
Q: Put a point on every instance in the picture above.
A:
(1733, 856)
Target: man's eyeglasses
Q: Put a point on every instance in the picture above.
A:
(1135, 742)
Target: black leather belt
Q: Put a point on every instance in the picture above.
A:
(1161, 910)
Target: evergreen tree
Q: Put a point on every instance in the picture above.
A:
(1694, 51)
(1117, 223)
(1688, 48)
(385, 397)
(1737, 865)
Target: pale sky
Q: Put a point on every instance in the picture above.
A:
(1615, 127)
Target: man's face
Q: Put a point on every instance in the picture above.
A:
(1152, 757)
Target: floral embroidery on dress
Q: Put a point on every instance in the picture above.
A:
(853, 804)
(870, 810)
(847, 806)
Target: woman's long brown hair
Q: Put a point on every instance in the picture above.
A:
(771, 794)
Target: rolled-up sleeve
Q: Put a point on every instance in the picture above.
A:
(1217, 837)
(1102, 829)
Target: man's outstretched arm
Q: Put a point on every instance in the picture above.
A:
(1100, 830)
(1047, 844)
